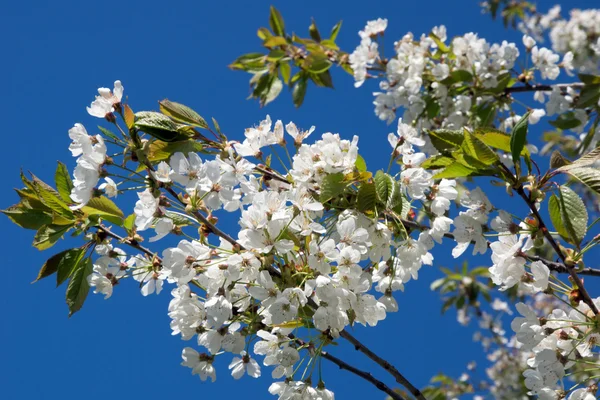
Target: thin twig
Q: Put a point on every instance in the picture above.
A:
(570, 267)
(363, 374)
(543, 88)
(131, 243)
(344, 365)
(383, 363)
(552, 265)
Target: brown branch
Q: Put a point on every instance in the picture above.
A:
(363, 374)
(570, 267)
(543, 88)
(344, 365)
(383, 363)
(128, 242)
(552, 265)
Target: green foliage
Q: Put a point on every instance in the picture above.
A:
(182, 114)
(573, 214)
(159, 126)
(313, 57)
(78, 287)
(333, 185)
(518, 139)
(104, 208)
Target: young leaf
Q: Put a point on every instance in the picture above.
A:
(360, 164)
(129, 116)
(159, 126)
(48, 235)
(455, 170)
(518, 138)
(26, 217)
(299, 91)
(68, 264)
(53, 263)
(574, 215)
(479, 150)
(181, 113)
(78, 288)
(384, 185)
(104, 208)
(63, 181)
(276, 22)
(332, 187)
(556, 217)
(445, 139)
(586, 175)
(367, 198)
(335, 30)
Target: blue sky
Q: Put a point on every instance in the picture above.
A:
(55, 56)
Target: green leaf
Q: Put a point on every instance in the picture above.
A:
(437, 161)
(366, 198)
(477, 149)
(108, 133)
(78, 288)
(461, 76)
(455, 170)
(573, 214)
(161, 151)
(556, 217)
(276, 22)
(395, 201)
(384, 185)
(299, 91)
(263, 33)
(589, 79)
(566, 121)
(273, 92)
(445, 139)
(557, 160)
(335, 30)
(584, 161)
(159, 126)
(360, 164)
(316, 63)
(332, 187)
(588, 96)
(181, 113)
(519, 138)
(497, 139)
(51, 198)
(48, 235)
(27, 218)
(129, 223)
(274, 41)
(251, 62)
(286, 71)
(68, 264)
(54, 263)
(63, 181)
(586, 175)
(441, 45)
(314, 32)
(104, 208)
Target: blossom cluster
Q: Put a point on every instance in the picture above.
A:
(442, 83)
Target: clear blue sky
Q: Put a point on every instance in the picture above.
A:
(55, 55)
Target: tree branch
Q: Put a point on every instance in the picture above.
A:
(384, 364)
(344, 365)
(123, 240)
(365, 375)
(543, 88)
(570, 267)
(552, 265)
